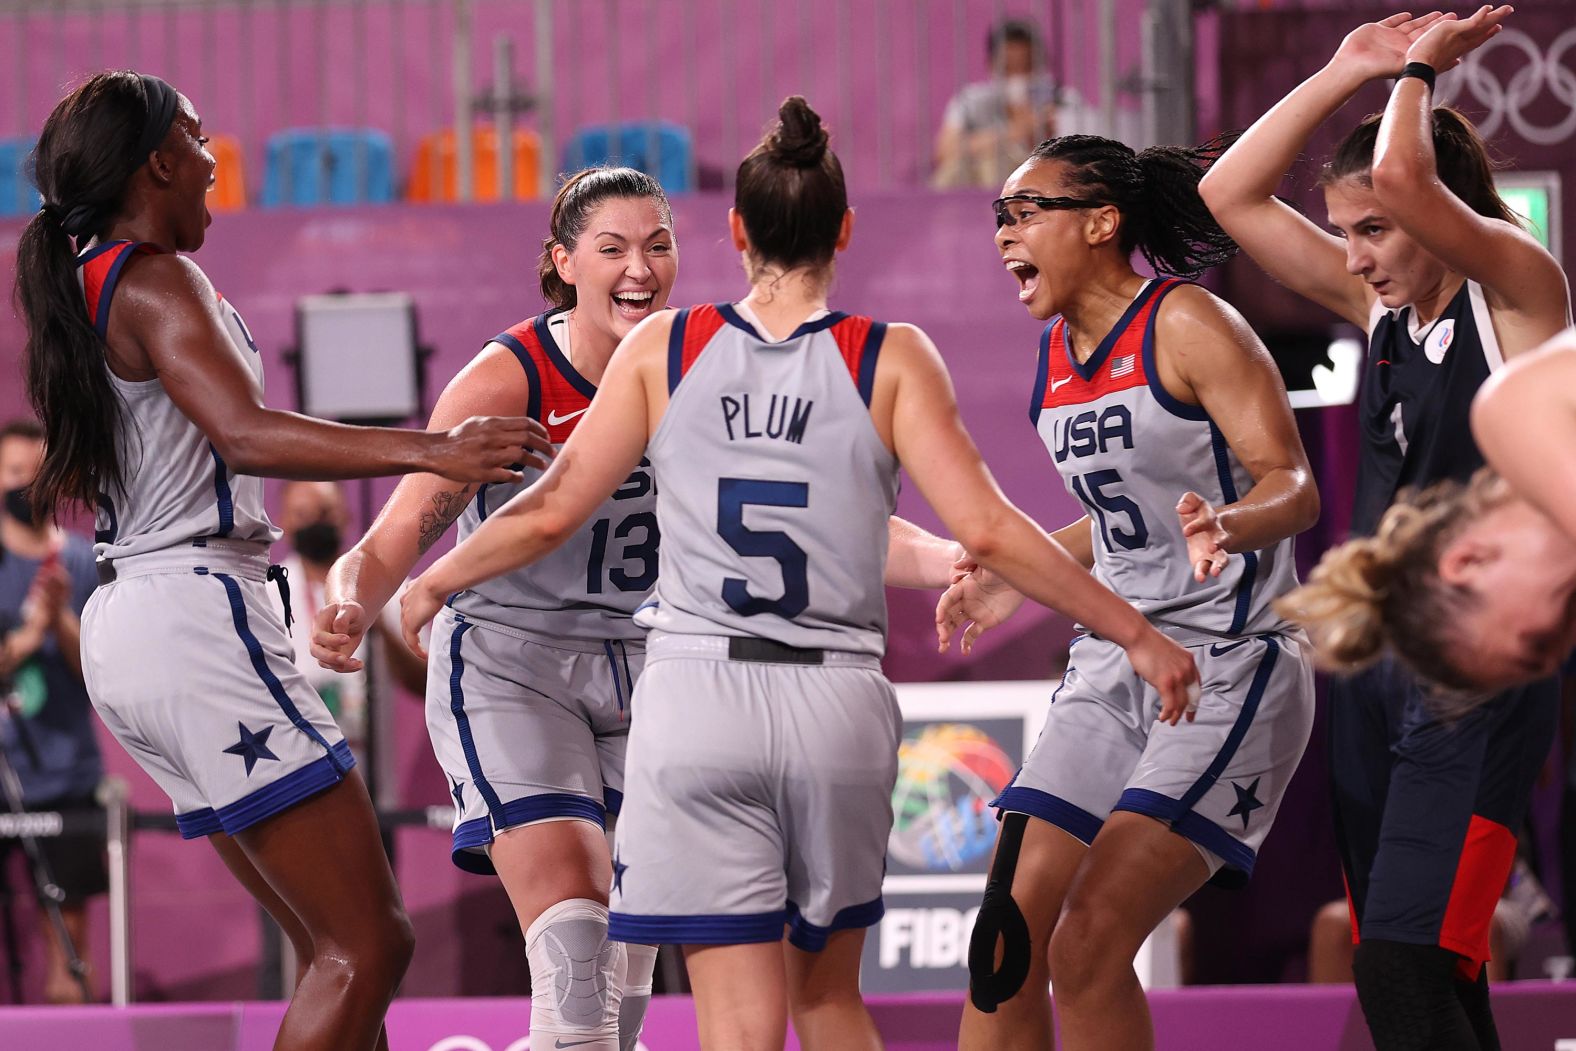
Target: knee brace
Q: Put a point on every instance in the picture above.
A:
(1408, 995)
(575, 974)
(640, 963)
(1000, 917)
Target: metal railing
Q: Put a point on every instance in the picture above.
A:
(881, 72)
(118, 824)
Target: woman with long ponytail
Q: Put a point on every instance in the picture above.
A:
(1169, 423)
(150, 391)
(1428, 260)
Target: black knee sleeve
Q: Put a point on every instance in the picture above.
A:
(1000, 917)
(1409, 995)
(1473, 996)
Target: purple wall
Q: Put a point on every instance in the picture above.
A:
(880, 71)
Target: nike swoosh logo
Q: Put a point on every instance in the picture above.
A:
(576, 1043)
(1057, 384)
(1217, 649)
(553, 420)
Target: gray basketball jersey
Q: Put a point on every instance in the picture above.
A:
(589, 588)
(776, 488)
(1128, 450)
(177, 487)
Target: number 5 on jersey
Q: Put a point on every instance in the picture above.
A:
(733, 496)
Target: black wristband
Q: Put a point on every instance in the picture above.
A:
(1421, 70)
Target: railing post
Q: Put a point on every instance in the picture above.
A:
(117, 848)
(503, 113)
(464, 151)
(547, 165)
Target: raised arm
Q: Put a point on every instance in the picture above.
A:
(1212, 358)
(416, 516)
(606, 446)
(1520, 276)
(1240, 187)
(929, 438)
(1524, 420)
(168, 307)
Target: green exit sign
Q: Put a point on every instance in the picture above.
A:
(1535, 197)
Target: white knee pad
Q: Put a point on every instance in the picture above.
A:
(575, 975)
(640, 962)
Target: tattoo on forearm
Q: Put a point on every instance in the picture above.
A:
(446, 507)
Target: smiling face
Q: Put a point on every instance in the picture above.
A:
(1048, 249)
(1519, 569)
(623, 266)
(1394, 265)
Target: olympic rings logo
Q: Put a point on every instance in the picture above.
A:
(1543, 70)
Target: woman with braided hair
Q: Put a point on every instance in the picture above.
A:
(150, 391)
(1168, 421)
(1428, 260)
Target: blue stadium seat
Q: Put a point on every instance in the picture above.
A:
(655, 147)
(17, 196)
(316, 166)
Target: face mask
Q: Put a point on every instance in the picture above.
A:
(318, 542)
(19, 506)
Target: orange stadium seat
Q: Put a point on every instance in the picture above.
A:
(434, 175)
(229, 186)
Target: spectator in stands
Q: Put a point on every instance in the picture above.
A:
(46, 576)
(991, 125)
(313, 516)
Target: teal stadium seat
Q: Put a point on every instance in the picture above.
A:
(328, 166)
(657, 148)
(17, 196)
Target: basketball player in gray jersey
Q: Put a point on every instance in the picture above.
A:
(1168, 421)
(150, 390)
(532, 672)
(762, 760)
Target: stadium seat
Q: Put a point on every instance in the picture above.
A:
(434, 174)
(655, 147)
(17, 196)
(229, 178)
(317, 166)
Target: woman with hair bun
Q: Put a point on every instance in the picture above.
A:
(1430, 262)
(761, 767)
(150, 390)
(1168, 421)
(528, 687)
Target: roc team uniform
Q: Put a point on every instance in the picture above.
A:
(531, 673)
(761, 768)
(184, 650)
(1128, 450)
(1427, 812)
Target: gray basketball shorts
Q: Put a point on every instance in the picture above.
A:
(760, 797)
(1218, 780)
(526, 729)
(186, 658)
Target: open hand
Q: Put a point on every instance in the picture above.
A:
(1206, 537)
(1449, 40)
(417, 607)
(491, 449)
(1379, 49)
(981, 600)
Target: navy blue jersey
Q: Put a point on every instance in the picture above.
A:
(1416, 400)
